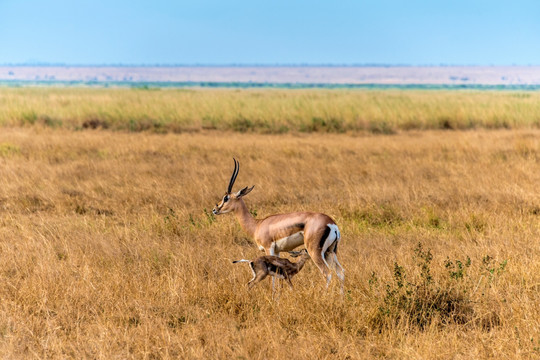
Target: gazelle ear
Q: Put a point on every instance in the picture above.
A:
(244, 191)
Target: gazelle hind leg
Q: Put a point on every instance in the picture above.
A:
(255, 280)
(332, 260)
(329, 274)
(338, 268)
(253, 271)
(340, 272)
(329, 259)
(317, 247)
(328, 245)
(320, 262)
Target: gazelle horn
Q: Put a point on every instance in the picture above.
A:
(234, 175)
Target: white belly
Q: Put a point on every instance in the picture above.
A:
(290, 242)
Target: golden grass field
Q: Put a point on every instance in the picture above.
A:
(109, 250)
(268, 111)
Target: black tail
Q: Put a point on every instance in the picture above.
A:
(242, 260)
(324, 236)
(336, 243)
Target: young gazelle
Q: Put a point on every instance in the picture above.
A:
(275, 266)
(284, 232)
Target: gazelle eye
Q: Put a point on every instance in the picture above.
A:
(226, 198)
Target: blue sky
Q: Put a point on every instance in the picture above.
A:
(390, 32)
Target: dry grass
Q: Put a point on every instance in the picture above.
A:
(268, 111)
(108, 249)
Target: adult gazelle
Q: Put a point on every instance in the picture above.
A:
(285, 232)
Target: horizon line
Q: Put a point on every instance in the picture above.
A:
(59, 64)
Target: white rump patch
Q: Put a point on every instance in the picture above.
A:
(332, 237)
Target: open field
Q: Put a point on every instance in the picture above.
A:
(108, 248)
(267, 111)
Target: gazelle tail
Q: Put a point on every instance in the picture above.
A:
(243, 260)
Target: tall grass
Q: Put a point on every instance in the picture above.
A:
(108, 248)
(268, 111)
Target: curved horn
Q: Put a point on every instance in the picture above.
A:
(234, 175)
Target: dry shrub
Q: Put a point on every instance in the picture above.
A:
(421, 301)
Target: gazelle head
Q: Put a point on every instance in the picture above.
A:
(304, 253)
(230, 201)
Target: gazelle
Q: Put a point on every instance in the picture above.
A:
(284, 232)
(275, 266)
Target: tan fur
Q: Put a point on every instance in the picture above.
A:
(284, 232)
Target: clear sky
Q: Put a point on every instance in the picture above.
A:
(213, 32)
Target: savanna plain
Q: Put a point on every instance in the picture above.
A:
(109, 248)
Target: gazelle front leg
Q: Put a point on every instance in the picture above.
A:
(272, 251)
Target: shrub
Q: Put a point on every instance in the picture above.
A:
(424, 299)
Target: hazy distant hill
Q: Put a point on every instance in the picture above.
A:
(399, 75)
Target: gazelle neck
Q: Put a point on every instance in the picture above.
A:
(246, 220)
